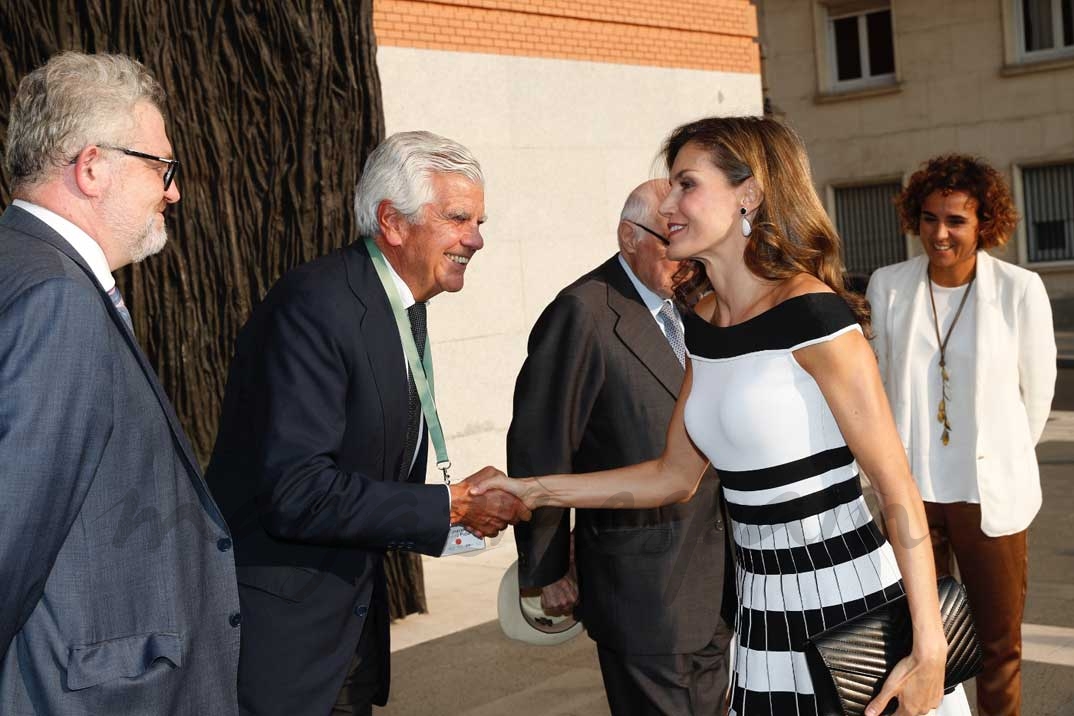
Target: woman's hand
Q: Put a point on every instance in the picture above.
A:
(916, 681)
(525, 489)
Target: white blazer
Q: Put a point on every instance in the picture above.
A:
(1015, 375)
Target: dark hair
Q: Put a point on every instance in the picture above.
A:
(792, 233)
(996, 215)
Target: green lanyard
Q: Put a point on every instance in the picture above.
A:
(422, 369)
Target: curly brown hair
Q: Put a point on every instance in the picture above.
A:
(792, 232)
(996, 214)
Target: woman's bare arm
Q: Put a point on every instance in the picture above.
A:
(672, 477)
(845, 369)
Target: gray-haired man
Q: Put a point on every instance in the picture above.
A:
(117, 586)
(596, 392)
(320, 460)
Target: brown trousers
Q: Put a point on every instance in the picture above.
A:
(994, 570)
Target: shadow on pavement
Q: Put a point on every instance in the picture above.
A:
(480, 672)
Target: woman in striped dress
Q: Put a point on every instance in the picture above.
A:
(783, 396)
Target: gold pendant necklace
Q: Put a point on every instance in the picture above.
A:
(941, 412)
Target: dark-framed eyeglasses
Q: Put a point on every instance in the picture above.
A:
(169, 173)
(645, 228)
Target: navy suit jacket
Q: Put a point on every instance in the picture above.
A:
(306, 467)
(117, 583)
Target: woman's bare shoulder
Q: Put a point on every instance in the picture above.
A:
(802, 284)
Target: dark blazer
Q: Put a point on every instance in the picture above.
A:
(117, 583)
(306, 469)
(597, 392)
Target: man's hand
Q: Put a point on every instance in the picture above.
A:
(486, 514)
(560, 598)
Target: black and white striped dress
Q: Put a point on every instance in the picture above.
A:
(808, 553)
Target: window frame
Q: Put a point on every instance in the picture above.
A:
(867, 79)
(1018, 56)
(1021, 233)
(829, 87)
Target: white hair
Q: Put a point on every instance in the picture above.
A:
(399, 170)
(637, 205)
(645, 199)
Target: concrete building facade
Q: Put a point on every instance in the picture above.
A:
(565, 103)
(875, 87)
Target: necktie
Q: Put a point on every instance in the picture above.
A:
(419, 329)
(117, 301)
(673, 331)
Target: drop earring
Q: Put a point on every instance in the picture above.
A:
(747, 229)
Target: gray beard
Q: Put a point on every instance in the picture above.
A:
(147, 242)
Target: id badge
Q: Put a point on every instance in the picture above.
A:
(460, 541)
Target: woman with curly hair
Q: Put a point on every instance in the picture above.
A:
(782, 395)
(967, 355)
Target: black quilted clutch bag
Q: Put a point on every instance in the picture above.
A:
(849, 662)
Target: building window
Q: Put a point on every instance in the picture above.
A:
(1047, 26)
(861, 44)
(1048, 195)
(867, 222)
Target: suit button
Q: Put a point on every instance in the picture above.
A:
(361, 610)
(223, 544)
(235, 619)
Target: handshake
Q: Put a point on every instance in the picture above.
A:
(483, 503)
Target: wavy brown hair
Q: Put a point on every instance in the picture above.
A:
(792, 233)
(996, 215)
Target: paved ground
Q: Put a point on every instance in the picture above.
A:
(455, 659)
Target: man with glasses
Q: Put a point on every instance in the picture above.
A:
(596, 392)
(117, 579)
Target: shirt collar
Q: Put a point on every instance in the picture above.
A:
(651, 299)
(406, 296)
(80, 241)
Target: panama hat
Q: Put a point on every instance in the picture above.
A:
(522, 618)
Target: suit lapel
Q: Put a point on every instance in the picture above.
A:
(637, 329)
(19, 220)
(383, 350)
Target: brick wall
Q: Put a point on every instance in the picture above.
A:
(717, 35)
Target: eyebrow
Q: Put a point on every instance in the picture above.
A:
(961, 217)
(464, 214)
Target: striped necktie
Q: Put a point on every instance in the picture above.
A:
(117, 301)
(673, 331)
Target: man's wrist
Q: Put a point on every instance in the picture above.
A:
(456, 502)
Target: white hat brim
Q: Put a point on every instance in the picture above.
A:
(514, 624)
